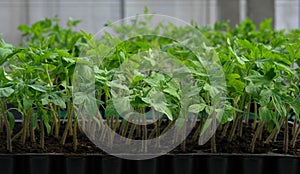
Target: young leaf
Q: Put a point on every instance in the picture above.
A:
(196, 108)
(33, 121)
(11, 119)
(39, 88)
(6, 92)
(48, 127)
(264, 113)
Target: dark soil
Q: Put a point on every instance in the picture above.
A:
(52, 144)
(85, 146)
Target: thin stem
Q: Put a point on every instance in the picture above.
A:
(57, 127)
(17, 135)
(103, 134)
(225, 129)
(197, 132)
(93, 130)
(2, 124)
(75, 134)
(294, 127)
(286, 136)
(125, 129)
(233, 129)
(277, 133)
(25, 124)
(32, 134)
(155, 131)
(213, 144)
(274, 131)
(8, 130)
(68, 125)
(145, 132)
(133, 126)
(260, 126)
(240, 128)
(296, 134)
(260, 134)
(213, 139)
(171, 123)
(42, 134)
(112, 121)
(183, 144)
(255, 116)
(116, 125)
(248, 111)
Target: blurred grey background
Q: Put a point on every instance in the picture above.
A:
(95, 13)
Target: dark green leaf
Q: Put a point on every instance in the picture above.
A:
(11, 119)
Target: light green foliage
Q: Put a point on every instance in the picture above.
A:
(258, 65)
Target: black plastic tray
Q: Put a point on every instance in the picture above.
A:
(167, 164)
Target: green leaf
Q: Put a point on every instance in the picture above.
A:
(173, 92)
(264, 113)
(241, 59)
(122, 55)
(27, 103)
(110, 110)
(115, 84)
(157, 101)
(245, 43)
(251, 88)
(277, 41)
(39, 88)
(121, 103)
(271, 74)
(228, 113)
(45, 101)
(34, 118)
(6, 92)
(4, 52)
(73, 23)
(295, 105)
(266, 25)
(46, 121)
(90, 106)
(209, 109)
(58, 101)
(279, 105)
(137, 79)
(237, 84)
(48, 127)
(6, 76)
(11, 120)
(155, 79)
(24, 28)
(234, 76)
(284, 67)
(69, 60)
(196, 108)
(265, 96)
(162, 107)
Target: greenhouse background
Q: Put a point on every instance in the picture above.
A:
(95, 13)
